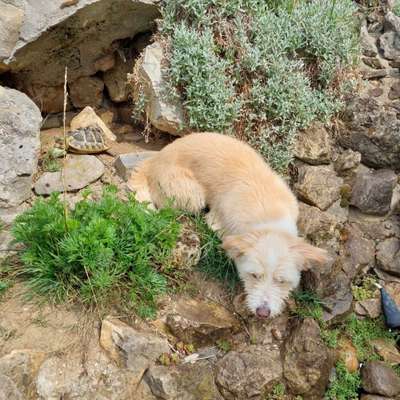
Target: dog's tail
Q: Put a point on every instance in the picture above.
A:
(138, 182)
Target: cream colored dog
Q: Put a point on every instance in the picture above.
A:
(250, 205)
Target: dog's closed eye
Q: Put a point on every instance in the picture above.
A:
(256, 276)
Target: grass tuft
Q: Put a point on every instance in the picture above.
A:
(97, 249)
(345, 385)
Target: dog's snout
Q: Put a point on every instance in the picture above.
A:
(263, 311)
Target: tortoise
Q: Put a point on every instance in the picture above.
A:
(86, 140)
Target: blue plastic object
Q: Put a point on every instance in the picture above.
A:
(390, 310)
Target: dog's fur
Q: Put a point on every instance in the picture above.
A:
(250, 205)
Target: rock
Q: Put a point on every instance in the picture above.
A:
(307, 362)
(116, 80)
(395, 202)
(200, 322)
(8, 215)
(185, 382)
(321, 228)
(368, 43)
(373, 62)
(272, 331)
(338, 212)
(163, 113)
(129, 348)
(249, 373)
(387, 350)
(11, 18)
(20, 123)
(105, 63)
(313, 145)
(372, 191)
(126, 163)
(52, 37)
(359, 249)
(379, 378)
(373, 397)
(348, 354)
(391, 22)
(87, 117)
(22, 366)
(9, 390)
(389, 44)
(394, 92)
(349, 160)
(369, 308)
(78, 172)
(50, 99)
(86, 91)
(387, 256)
(318, 186)
(372, 130)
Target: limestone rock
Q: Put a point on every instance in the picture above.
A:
(388, 43)
(200, 322)
(372, 191)
(247, 374)
(130, 348)
(11, 18)
(185, 382)
(374, 397)
(318, 186)
(21, 366)
(368, 43)
(105, 63)
(52, 37)
(87, 117)
(116, 80)
(387, 256)
(20, 123)
(313, 145)
(78, 172)
(369, 308)
(126, 163)
(86, 91)
(9, 391)
(372, 130)
(307, 362)
(163, 113)
(379, 378)
(387, 350)
(347, 161)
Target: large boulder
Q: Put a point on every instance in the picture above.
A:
(20, 123)
(52, 37)
(379, 378)
(372, 130)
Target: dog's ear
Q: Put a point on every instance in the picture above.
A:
(237, 245)
(308, 254)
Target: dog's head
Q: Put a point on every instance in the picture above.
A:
(269, 264)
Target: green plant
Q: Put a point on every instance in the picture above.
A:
(277, 392)
(97, 249)
(259, 69)
(214, 262)
(224, 345)
(308, 305)
(396, 8)
(363, 331)
(345, 385)
(365, 289)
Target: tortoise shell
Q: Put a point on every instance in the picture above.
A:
(87, 140)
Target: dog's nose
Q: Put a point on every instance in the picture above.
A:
(263, 311)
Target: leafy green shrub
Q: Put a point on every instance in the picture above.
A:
(97, 249)
(396, 8)
(345, 385)
(261, 69)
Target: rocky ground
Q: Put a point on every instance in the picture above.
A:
(205, 345)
